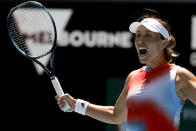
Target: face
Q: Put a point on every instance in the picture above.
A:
(149, 46)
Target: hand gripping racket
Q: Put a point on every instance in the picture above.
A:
(32, 30)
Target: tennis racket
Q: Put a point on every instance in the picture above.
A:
(32, 30)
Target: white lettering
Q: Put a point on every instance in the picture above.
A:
(100, 39)
(126, 40)
(90, 40)
(193, 32)
(76, 38)
(114, 39)
(193, 58)
(63, 40)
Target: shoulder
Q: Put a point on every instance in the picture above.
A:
(185, 83)
(183, 74)
(134, 72)
(130, 75)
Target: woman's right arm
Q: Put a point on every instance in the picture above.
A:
(109, 114)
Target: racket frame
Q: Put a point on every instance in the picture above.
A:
(51, 73)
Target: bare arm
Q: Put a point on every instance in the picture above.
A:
(109, 114)
(186, 85)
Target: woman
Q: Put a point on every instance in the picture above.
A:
(153, 96)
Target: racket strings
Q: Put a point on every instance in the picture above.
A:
(32, 30)
(16, 35)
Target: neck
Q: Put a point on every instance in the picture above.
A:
(155, 64)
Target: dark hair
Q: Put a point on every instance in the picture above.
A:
(169, 53)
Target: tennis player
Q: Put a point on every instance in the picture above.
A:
(153, 95)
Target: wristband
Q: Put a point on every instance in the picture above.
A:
(80, 106)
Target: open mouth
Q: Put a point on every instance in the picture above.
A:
(142, 51)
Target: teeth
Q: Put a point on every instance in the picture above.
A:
(142, 49)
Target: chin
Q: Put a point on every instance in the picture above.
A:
(143, 61)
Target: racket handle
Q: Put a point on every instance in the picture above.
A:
(59, 91)
(57, 86)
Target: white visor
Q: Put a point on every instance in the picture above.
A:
(152, 25)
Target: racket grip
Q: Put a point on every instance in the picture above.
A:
(57, 86)
(59, 91)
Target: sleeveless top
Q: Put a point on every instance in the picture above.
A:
(152, 102)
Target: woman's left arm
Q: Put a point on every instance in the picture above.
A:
(186, 85)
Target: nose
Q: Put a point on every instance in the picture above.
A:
(140, 42)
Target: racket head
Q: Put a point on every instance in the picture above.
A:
(32, 30)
